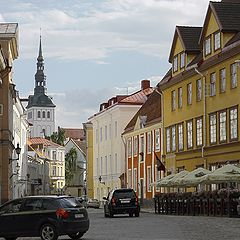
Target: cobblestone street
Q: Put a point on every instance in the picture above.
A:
(151, 226)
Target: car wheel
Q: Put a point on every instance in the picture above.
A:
(110, 214)
(76, 235)
(48, 232)
(136, 214)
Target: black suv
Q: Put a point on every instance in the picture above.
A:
(44, 216)
(121, 201)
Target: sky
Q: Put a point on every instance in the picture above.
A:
(95, 49)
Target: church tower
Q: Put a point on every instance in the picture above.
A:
(40, 108)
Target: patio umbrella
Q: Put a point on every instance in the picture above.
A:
(164, 181)
(194, 177)
(176, 180)
(227, 173)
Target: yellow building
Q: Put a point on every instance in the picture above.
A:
(201, 92)
(89, 139)
(8, 53)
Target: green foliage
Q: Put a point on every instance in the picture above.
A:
(70, 165)
(58, 137)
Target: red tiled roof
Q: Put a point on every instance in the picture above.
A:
(44, 141)
(139, 97)
(74, 133)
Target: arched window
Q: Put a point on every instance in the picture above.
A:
(39, 114)
(43, 114)
(48, 114)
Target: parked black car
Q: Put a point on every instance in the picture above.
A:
(44, 216)
(121, 201)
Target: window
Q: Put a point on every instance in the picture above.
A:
(39, 114)
(29, 114)
(217, 41)
(207, 46)
(173, 138)
(54, 171)
(149, 179)
(189, 134)
(43, 114)
(213, 128)
(101, 134)
(173, 100)
(180, 97)
(180, 136)
(189, 93)
(54, 155)
(168, 140)
(96, 135)
(105, 132)
(116, 158)
(158, 177)
(101, 166)
(213, 84)
(130, 178)
(222, 80)
(135, 146)
(223, 126)
(135, 179)
(182, 60)
(233, 124)
(175, 63)
(157, 140)
(129, 147)
(234, 75)
(199, 90)
(141, 147)
(48, 114)
(1, 109)
(110, 131)
(149, 142)
(106, 165)
(199, 126)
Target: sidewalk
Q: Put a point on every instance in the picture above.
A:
(147, 210)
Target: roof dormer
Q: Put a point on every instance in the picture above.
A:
(220, 25)
(184, 47)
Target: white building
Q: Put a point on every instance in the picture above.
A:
(108, 146)
(40, 108)
(77, 186)
(55, 155)
(18, 169)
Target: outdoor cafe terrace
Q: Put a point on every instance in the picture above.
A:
(178, 200)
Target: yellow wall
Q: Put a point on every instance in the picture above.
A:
(212, 154)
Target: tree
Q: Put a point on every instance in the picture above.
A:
(59, 136)
(70, 165)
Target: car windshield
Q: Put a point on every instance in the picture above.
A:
(124, 194)
(69, 202)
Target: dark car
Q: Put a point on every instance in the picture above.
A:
(121, 201)
(44, 216)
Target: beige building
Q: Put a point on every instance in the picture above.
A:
(8, 53)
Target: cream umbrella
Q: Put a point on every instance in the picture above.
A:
(194, 177)
(164, 181)
(176, 180)
(227, 173)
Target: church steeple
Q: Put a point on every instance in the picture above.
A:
(40, 78)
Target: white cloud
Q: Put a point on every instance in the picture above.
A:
(100, 29)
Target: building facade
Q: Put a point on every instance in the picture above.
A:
(201, 92)
(8, 53)
(77, 186)
(40, 108)
(143, 149)
(108, 145)
(55, 155)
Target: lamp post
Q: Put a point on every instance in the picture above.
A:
(17, 167)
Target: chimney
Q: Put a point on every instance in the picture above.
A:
(145, 84)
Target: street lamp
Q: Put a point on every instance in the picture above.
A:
(100, 180)
(18, 151)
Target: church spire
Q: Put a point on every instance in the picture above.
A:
(40, 78)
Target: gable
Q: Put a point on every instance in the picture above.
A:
(211, 25)
(178, 47)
